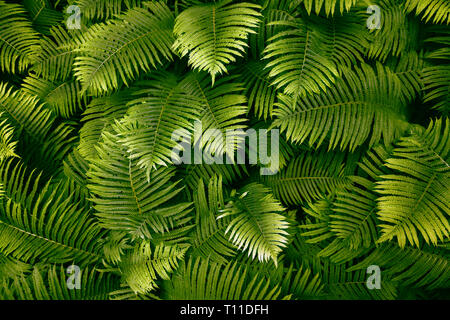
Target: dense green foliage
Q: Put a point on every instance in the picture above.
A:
(87, 179)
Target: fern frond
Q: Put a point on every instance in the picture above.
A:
(350, 223)
(272, 10)
(209, 240)
(122, 49)
(19, 42)
(354, 218)
(437, 80)
(57, 53)
(419, 267)
(212, 35)
(364, 103)
(295, 59)
(44, 225)
(42, 15)
(301, 283)
(11, 268)
(51, 284)
(7, 145)
(256, 225)
(398, 32)
(143, 266)
(309, 176)
(437, 11)
(151, 121)
(409, 70)
(129, 202)
(436, 76)
(346, 38)
(25, 112)
(344, 284)
(261, 95)
(64, 98)
(222, 108)
(204, 280)
(414, 198)
(99, 116)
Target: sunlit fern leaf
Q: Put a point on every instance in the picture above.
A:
(414, 198)
(260, 94)
(7, 144)
(209, 240)
(144, 265)
(128, 202)
(363, 104)
(257, 225)
(64, 98)
(98, 117)
(25, 112)
(397, 33)
(213, 35)
(222, 109)
(295, 60)
(10, 268)
(437, 11)
(201, 279)
(18, 40)
(51, 283)
(148, 130)
(419, 267)
(57, 53)
(329, 6)
(115, 246)
(42, 15)
(124, 48)
(324, 46)
(103, 9)
(43, 225)
(309, 176)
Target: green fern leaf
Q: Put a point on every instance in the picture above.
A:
(213, 35)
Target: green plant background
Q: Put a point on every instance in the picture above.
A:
(85, 142)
